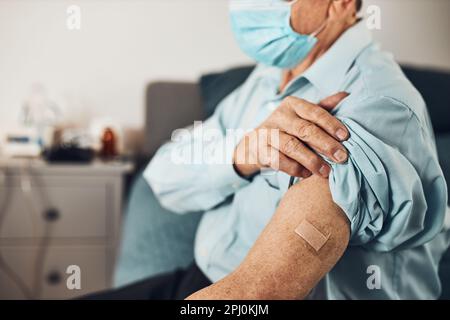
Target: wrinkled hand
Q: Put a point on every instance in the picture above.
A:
(292, 138)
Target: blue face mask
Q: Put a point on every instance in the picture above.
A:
(263, 30)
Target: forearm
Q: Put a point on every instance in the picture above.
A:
(186, 186)
(282, 264)
(232, 287)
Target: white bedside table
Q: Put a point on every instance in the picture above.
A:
(53, 216)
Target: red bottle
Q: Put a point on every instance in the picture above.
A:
(109, 145)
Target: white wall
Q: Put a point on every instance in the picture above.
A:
(416, 31)
(123, 44)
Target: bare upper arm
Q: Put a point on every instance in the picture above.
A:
(282, 264)
(290, 265)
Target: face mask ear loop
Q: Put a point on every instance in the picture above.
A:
(319, 30)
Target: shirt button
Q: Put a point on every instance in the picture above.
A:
(236, 185)
(203, 252)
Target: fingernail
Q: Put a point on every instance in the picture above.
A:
(324, 171)
(341, 134)
(340, 155)
(306, 173)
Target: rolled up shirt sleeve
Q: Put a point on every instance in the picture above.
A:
(394, 195)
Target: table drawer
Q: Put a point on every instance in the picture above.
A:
(77, 208)
(92, 260)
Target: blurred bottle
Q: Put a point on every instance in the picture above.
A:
(40, 113)
(109, 145)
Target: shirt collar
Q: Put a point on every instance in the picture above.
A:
(328, 72)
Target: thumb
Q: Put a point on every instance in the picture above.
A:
(331, 102)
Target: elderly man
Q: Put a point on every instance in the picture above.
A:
(325, 105)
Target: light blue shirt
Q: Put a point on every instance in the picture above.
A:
(392, 188)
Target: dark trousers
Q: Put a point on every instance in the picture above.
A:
(176, 285)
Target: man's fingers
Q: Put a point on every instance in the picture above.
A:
(318, 140)
(320, 117)
(315, 137)
(331, 102)
(293, 148)
(280, 162)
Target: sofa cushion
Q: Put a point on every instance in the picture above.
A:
(215, 87)
(443, 146)
(169, 106)
(434, 87)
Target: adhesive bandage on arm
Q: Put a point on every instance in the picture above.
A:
(312, 235)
